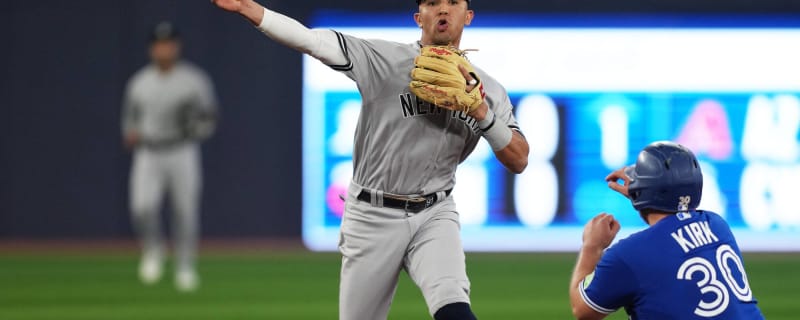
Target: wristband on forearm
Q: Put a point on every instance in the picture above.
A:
(497, 134)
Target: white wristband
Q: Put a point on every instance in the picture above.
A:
(497, 134)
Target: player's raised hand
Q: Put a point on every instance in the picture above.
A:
(248, 9)
(614, 178)
(471, 80)
(229, 5)
(600, 231)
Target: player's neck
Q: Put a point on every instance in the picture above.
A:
(165, 67)
(653, 218)
(429, 42)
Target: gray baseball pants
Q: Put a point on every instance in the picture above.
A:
(376, 243)
(174, 171)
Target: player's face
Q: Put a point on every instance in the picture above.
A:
(164, 53)
(443, 21)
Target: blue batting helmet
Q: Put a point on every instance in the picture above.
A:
(666, 177)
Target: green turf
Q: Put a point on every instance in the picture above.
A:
(304, 286)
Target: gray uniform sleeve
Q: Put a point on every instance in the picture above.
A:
(500, 103)
(130, 110)
(207, 99)
(366, 62)
(201, 117)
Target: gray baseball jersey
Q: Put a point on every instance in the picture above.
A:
(165, 108)
(407, 147)
(404, 145)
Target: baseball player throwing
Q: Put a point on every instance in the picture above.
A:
(399, 214)
(169, 107)
(686, 265)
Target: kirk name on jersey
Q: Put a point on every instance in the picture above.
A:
(694, 235)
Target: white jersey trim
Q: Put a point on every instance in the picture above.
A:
(591, 303)
(348, 65)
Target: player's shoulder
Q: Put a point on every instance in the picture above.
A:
(637, 242)
(483, 74)
(716, 223)
(634, 241)
(388, 43)
(490, 84)
(488, 80)
(395, 47)
(708, 215)
(146, 70)
(190, 69)
(374, 42)
(193, 74)
(635, 251)
(142, 75)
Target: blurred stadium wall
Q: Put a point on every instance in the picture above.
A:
(63, 66)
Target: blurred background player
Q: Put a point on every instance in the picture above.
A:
(686, 265)
(169, 107)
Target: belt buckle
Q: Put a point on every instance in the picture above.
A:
(418, 204)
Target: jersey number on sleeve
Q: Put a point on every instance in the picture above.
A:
(709, 284)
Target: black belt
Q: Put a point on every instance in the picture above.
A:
(411, 205)
(162, 144)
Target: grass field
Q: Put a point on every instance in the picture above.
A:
(301, 285)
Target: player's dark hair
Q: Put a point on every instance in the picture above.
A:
(164, 30)
(647, 211)
(420, 1)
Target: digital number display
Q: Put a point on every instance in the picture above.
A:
(588, 99)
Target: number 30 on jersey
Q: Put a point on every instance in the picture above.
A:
(711, 287)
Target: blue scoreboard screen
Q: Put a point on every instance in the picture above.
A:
(589, 94)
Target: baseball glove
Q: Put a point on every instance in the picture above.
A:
(437, 79)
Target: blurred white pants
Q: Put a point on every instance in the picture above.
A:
(175, 171)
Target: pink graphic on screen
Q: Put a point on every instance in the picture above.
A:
(707, 131)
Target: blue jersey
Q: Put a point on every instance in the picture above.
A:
(686, 266)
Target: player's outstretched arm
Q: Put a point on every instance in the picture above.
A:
(320, 44)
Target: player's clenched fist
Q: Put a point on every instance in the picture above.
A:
(600, 231)
(444, 77)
